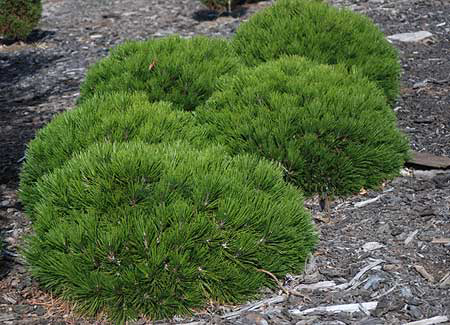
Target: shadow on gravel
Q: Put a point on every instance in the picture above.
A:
(18, 96)
(36, 35)
(16, 66)
(210, 15)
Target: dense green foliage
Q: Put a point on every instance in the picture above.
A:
(19, 17)
(182, 71)
(165, 188)
(157, 230)
(322, 33)
(116, 117)
(331, 130)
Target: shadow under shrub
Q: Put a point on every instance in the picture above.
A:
(182, 71)
(331, 130)
(157, 230)
(19, 17)
(115, 117)
(322, 33)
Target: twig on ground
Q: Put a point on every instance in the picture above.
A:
(287, 291)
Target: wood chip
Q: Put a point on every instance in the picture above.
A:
(429, 321)
(421, 270)
(371, 246)
(444, 241)
(428, 160)
(366, 202)
(445, 281)
(348, 308)
(316, 286)
(355, 280)
(254, 306)
(410, 237)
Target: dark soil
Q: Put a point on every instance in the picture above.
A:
(405, 231)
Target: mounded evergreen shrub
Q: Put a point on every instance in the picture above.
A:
(19, 17)
(182, 71)
(331, 130)
(115, 117)
(133, 229)
(322, 33)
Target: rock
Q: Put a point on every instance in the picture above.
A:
(410, 37)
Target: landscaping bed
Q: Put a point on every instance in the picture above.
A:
(400, 233)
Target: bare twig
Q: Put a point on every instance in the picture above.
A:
(287, 291)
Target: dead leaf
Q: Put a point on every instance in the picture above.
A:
(152, 65)
(421, 270)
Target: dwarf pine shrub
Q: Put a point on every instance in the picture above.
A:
(19, 17)
(115, 117)
(182, 71)
(156, 230)
(331, 130)
(322, 33)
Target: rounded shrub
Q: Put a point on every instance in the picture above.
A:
(182, 71)
(157, 230)
(331, 130)
(321, 33)
(19, 17)
(115, 117)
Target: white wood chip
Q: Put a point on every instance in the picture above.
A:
(366, 202)
(348, 308)
(318, 285)
(410, 237)
(441, 241)
(371, 246)
(430, 321)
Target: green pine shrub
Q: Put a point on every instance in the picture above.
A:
(322, 33)
(19, 17)
(115, 117)
(157, 230)
(331, 130)
(182, 71)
